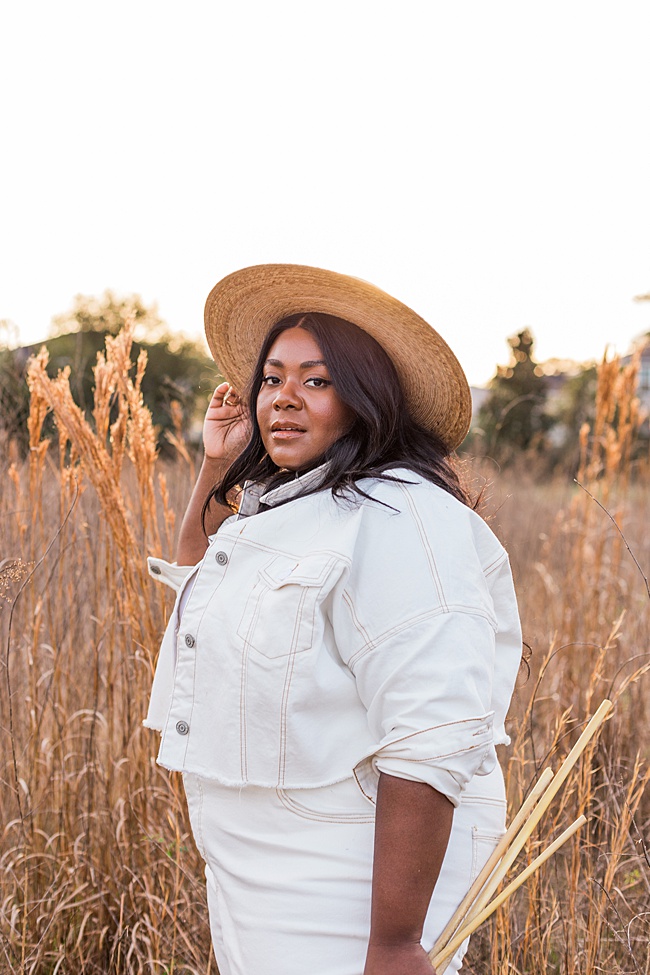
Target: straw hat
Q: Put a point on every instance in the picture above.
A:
(242, 308)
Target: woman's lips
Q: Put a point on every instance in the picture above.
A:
(288, 434)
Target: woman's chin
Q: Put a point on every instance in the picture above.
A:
(290, 457)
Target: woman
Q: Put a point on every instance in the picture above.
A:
(342, 653)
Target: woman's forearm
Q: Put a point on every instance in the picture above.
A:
(192, 540)
(412, 830)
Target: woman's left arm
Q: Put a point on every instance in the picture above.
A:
(412, 828)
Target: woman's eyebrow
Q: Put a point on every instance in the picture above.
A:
(303, 365)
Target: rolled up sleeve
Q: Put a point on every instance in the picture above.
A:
(418, 632)
(427, 693)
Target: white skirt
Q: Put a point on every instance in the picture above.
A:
(289, 872)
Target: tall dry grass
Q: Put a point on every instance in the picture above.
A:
(98, 873)
(98, 870)
(578, 551)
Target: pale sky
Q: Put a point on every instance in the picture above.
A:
(486, 162)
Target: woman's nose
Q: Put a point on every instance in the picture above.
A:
(287, 397)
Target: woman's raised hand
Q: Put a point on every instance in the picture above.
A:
(226, 427)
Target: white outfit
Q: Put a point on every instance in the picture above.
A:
(322, 640)
(289, 872)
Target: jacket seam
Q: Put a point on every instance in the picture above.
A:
(495, 564)
(282, 765)
(243, 731)
(437, 727)
(355, 619)
(470, 799)
(413, 621)
(438, 755)
(433, 568)
(322, 817)
(367, 795)
(181, 656)
(294, 555)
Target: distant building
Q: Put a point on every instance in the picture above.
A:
(643, 387)
(562, 400)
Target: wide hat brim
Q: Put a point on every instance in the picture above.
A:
(243, 306)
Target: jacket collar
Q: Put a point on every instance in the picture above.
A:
(254, 493)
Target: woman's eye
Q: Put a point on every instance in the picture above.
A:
(318, 382)
(270, 380)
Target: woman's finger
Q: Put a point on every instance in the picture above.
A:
(231, 397)
(219, 393)
(225, 395)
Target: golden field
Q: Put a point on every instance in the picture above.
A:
(98, 870)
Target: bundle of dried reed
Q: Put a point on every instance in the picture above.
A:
(478, 904)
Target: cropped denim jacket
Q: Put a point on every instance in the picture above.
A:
(321, 638)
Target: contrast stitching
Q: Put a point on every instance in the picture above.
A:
(196, 576)
(181, 658)
(478, 834)
(426, 546)
(296, 578)
(436, 727)
(243, 742)
(470, 799)
(213, 592)
(200, 839)
(295, 555)
(311, 592)
(354, 772)
(432, 758)
(503, 557)
(285, 691)
(355, 620)
(413, 621)
(306, 813)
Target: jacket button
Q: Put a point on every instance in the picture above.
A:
(190, 641)
(182, 727)
(221, 558)
(156, 570)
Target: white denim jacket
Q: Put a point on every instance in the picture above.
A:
(322, 637)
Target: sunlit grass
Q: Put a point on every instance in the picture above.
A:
(99, 872)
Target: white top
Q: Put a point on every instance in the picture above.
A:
(321, 638)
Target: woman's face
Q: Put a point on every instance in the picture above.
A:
(299, 412)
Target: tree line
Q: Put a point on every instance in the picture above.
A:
(525, 410)
(176, 387)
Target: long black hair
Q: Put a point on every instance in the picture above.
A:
(384, 434)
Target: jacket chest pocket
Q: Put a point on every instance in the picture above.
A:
(280, 612)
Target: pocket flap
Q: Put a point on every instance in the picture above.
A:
(284, 570)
